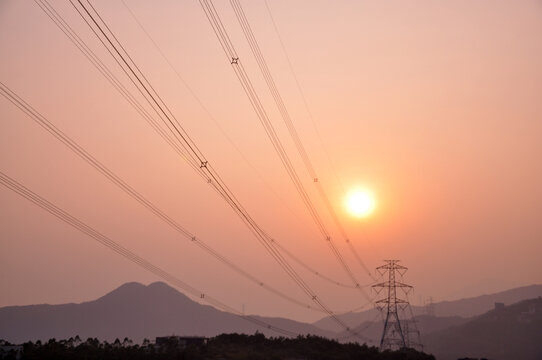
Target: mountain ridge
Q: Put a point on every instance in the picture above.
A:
(140, 311)
(465, 308)
(135, 311)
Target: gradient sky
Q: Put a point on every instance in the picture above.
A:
(434, 105)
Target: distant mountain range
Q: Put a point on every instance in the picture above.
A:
(464, 307)
(372, 330)
(137, 311)
(507, 332)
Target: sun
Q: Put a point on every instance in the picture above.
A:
(360, 203)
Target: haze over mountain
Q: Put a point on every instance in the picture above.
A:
(464, 308)
(506, 332)
(510, 332)
(135, 311)
(426, 324)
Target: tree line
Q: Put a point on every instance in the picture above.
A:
(225, 346)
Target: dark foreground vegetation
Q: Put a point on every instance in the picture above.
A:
(227, 346)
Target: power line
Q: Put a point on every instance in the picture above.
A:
(116, 180)
(31, 196)
(303, 97)
(316, 272)
(72, 145)
(208, 113)
(167, 117)
(114, 81)
(262, 64)
(370, 323)
(107, 73)
(237, 65)
(174, 126)
(91, 56)
(83, 154)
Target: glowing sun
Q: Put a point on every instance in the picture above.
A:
(360, 203)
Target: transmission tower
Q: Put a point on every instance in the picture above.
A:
(412, 334)
(397, 333)
(429, 306)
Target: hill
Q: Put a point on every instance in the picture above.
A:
(464, 307)
(481, 304)
(135, 311)
(510, 332)
(425, 324)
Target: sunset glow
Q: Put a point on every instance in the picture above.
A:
(267, 158)
(360, 203)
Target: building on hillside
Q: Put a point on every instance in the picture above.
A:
(179, 342)
(13, 351)
(529, 315)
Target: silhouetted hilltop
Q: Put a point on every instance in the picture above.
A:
(135, 311)
(509, 332)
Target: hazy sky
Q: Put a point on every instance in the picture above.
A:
(434, 105)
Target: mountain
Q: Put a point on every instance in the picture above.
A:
(506, 332)
(135, 311)
(464, 308)
(509, 332)
(480, 304)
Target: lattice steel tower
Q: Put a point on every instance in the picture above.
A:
(396, 334)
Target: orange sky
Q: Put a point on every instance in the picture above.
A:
(435, 105)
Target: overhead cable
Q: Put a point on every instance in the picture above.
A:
(71, 220)
(93, 18)
(262, 64)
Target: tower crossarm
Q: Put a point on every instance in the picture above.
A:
(382, 284)
(391, 301)
(388, 283)
(401, 285)
(392, 265)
